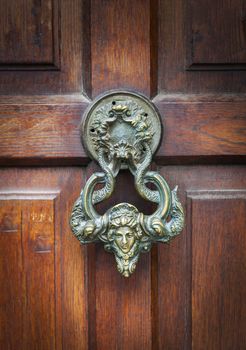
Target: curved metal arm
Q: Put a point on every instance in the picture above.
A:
(122, 130)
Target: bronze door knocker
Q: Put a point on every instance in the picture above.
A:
(123, 130)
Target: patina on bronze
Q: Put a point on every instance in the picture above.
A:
(123, 130)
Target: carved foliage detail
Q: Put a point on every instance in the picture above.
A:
(121, 130)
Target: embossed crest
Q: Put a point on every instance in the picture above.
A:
(120, 123)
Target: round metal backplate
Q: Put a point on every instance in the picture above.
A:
(99, 111)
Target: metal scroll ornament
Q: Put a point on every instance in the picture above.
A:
(123, 130)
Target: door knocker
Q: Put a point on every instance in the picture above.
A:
(123, 130)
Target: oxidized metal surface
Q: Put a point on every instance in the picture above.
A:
(124, 129)
(119, 123)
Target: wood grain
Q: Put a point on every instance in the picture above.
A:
(203, 128)
(197, 299)
(221, 29)
(217, 37)
(119, 308)
(35, 127)
(56, 66)
(27, 33)
(43, 290)
(152, 308)
(57, 294)
(38, 251)
(12, 291)
(218, 270)
(121, 42)
(72, 264)
(46, 131)
(29, 297)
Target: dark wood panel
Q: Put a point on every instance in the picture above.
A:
(28, 34)
(68, 296)
(39, 261)
(202, 128)
(47, 129)
(50, 50)
(28, 272)
(218, 270)
(37, 129)
(73, 265)
(120, 309)
(174, 312)
(123, 54)
(91, 299)
(217, 35)
(43, 298)
(213, 20)
(12, 291)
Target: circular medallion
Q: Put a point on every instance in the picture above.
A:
(121, 123)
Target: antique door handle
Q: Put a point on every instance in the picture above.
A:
(123, 130)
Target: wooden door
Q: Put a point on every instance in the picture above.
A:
(189, 58)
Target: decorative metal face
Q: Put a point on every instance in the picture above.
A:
(123, 130)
